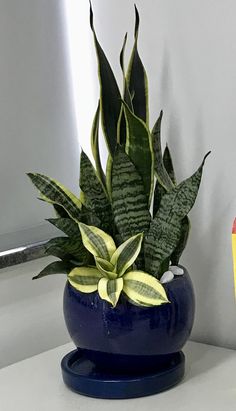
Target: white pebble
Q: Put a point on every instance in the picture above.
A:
(176, 270)
(167, 277)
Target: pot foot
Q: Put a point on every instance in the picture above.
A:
(84, 377)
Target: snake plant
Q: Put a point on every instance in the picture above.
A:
(130, 220)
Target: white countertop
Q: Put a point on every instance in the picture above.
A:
(36, 384)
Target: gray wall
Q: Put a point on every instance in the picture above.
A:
(37, 124)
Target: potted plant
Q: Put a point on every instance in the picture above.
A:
(128, 305)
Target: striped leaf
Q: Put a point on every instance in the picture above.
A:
(126, 254)
(110, 97)
(105, 268)
(165, 229)
(110, 290)
(129, 201)
(89, 218)
(143, 289)
(95, 146)
(160, 242)
(97, 242)
(137, 79)
(55, 193)
(68, 248)
(139, 149)
(168, 164)
(178, 251)
(158, 194)
(94, 196)
(57, 267)
(161, 173)
(67, 225)
(84, 279)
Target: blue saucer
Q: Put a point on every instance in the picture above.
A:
(82, 376)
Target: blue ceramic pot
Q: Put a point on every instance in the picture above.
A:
(128, 336)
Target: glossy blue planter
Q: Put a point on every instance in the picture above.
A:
(129, 340)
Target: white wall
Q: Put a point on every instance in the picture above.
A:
(37, 124)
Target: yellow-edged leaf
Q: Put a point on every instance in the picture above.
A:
(126, 254)
(84, 279)
(105, 268)
(97, 242)
(143, 289)
(110, 290)
(54, 192)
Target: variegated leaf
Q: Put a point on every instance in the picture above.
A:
(95, 146)
(110, 97)
(139, 149)
(84, 279)
(137, 79)
(143, 289)
(110, 290)
(126, 254)
(105, 268)
(97, 242)
(94, 196)
(55, 193)
(57, 267)
(129, 200)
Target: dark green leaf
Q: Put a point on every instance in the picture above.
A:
(139, 149)
(57, 267)
(129, 200)
(168, 164)
(165, 229)
(185, 228)
(158, 194)
(68, 247)
(161, 173)
(94, 195)
(110, 97)
(137, 79)
(95, 146)
(67, 225)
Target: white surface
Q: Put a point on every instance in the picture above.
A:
(31, 313)
(36, 384)
(37, 125)
(189, 51)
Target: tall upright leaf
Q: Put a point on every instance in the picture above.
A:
(55, 193)
(110, 97)
(95, 145)
(137, 79)
(161, 173)
(165, 229)
(121, 128)
(168, 164)
(129, 200)
(139, 149)
(94, 195)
